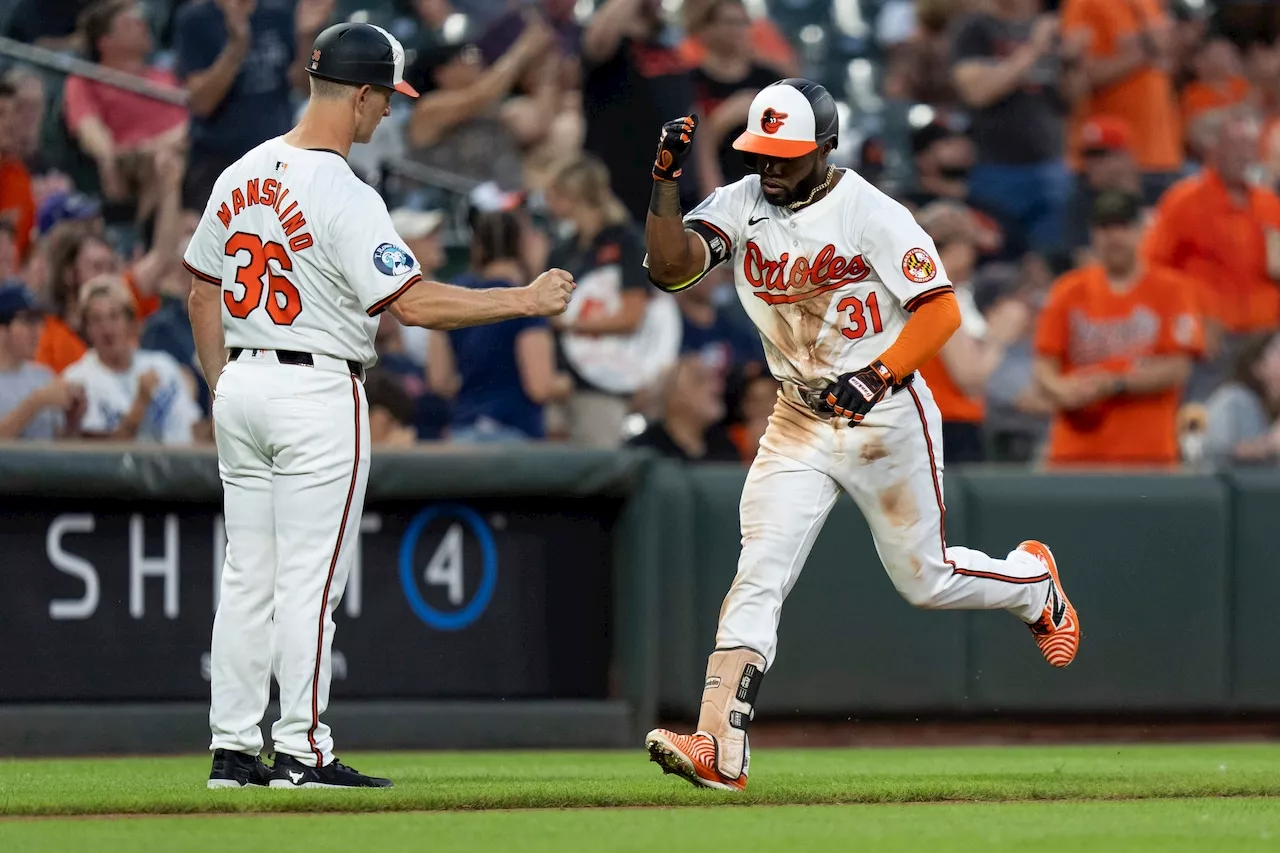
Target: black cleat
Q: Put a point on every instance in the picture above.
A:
(233, 769)
(289, 772)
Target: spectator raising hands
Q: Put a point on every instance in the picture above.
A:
(460, 123)
(917, 69)
(548, 122)
(309, 18)
(239, 62)
(632, 78)
(120, 130)
(160, 272)
(1128, 64)
(726, 79)
(1019, 78)
(164, 254)
(762, 38)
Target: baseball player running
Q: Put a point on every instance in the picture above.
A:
(294, 258)
(847, 293)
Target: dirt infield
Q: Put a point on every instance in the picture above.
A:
(1005, 731)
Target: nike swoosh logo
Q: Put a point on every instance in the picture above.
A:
(295, 775)
(1059, 607)
(757, 219)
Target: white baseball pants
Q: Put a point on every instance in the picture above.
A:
(891, 465)
(293, 453)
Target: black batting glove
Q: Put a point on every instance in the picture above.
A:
(673, 147)
(853, 394)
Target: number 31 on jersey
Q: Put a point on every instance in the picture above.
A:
(856, 312)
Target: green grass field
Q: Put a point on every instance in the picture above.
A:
(1219, 797)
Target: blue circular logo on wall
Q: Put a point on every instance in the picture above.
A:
(390, 259)
(444, 568)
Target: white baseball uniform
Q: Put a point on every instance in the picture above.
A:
(306, 257)
(830, 287)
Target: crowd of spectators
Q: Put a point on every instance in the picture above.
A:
(1099, 177)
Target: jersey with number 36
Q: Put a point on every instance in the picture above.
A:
(829, 286)
(304, 251)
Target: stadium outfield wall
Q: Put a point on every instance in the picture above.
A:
(536, 597)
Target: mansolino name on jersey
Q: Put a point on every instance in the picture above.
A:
(269, 192)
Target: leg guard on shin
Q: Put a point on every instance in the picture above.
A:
(728, 702)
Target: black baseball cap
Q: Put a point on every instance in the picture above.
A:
(360, 54)
(15, 299)
(1116, 207)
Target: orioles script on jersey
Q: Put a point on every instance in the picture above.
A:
(273, 194)
(805, 279)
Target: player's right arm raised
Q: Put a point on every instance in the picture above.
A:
(677, 256)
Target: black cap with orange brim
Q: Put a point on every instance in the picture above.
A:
(360, 54)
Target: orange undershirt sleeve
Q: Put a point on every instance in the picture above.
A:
(930, 326)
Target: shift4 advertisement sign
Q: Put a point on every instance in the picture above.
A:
(446, 567)
(488, 599)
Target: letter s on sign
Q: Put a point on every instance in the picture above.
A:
(70, 608)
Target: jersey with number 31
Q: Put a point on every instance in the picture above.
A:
(829, 286)
(304, 251)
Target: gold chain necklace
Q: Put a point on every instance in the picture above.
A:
(831, 173)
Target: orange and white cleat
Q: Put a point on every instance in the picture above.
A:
(1057, 631)
(692, 757)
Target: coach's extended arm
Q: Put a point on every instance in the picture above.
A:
(429, 304)
(434, 305)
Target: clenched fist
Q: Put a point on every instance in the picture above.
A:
(673, 147)
(549, 293)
